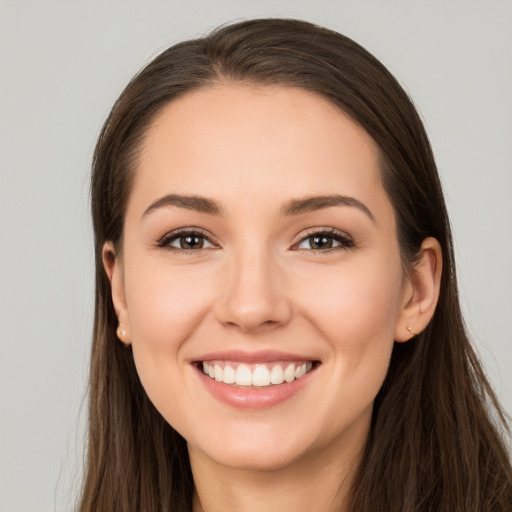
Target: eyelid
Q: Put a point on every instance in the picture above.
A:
(164, 241)
(346, 241)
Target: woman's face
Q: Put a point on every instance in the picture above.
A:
(259, 244)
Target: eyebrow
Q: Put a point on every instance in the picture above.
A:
(313, 203)
(290, 208)
(197, 203)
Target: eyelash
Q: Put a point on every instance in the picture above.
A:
(167, 239)
(344, 240)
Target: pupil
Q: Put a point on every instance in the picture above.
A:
(321, 242)
(191, 242)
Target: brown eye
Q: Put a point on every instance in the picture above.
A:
(321, 242)
(185, 241)
(191, 242)
(324, 241)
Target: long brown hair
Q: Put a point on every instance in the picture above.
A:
(435, 442)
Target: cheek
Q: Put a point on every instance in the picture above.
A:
(164, 304)
(356, 313)
(353, 303)
(165, 308)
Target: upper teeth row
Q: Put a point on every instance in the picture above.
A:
(259, 376)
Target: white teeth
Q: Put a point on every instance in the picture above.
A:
(276, 375)
(300, 371)
(217, 371)
(243, 376)
(260, 375)
(229, 375)
(289, 373)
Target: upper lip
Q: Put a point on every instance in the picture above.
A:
(264, 356)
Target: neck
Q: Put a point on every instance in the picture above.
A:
(318, 482)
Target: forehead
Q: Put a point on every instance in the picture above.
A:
(239, 141)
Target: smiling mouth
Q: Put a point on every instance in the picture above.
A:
(257, 375)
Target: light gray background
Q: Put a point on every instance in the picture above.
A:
(62, 64)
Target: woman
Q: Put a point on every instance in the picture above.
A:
(277, 321)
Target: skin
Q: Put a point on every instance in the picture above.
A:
(258, 285)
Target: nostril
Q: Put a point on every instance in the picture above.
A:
(248, 325)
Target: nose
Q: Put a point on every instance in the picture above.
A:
(254, 297)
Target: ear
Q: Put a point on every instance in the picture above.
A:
(114, 270)
(421, 291)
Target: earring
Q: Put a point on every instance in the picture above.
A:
(411, 331)
(121, 333)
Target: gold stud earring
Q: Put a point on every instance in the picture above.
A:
(411, 331)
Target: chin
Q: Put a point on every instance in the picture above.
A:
(254, 460)
(253, 453)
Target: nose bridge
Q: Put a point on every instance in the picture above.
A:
(253, 295)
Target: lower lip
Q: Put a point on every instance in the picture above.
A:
(254, 398)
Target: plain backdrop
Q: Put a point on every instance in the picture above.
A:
(62, 65)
